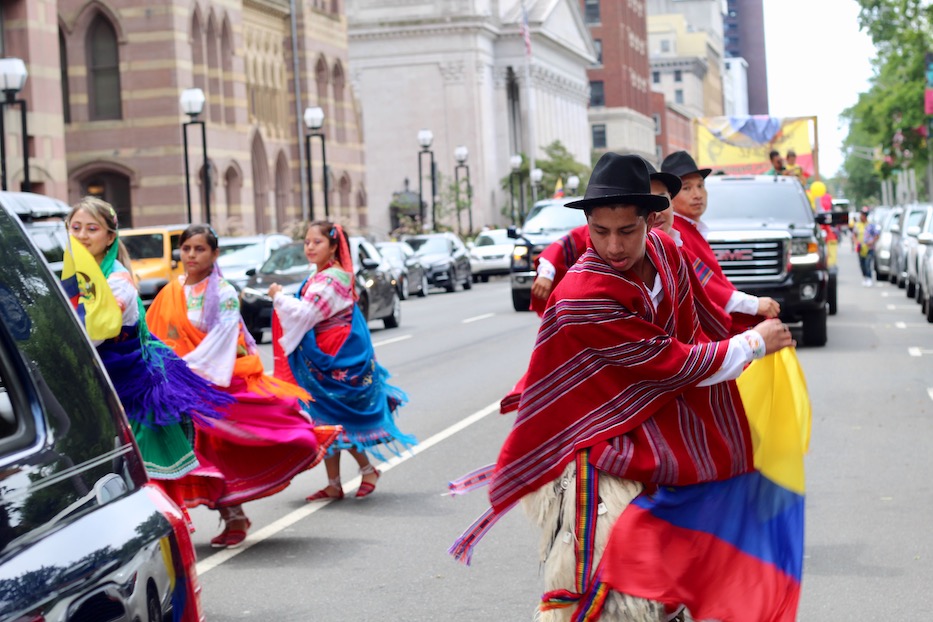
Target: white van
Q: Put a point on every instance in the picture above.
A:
(44, 220)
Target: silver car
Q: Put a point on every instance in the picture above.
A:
(910, 221)
(915, 250)
(241, 255)
(883, 245)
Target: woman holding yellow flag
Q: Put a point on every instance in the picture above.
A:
(160, 395)
(265, 439)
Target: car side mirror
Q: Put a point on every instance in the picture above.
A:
(895, 228)
(925, 238)
(251, 272)
(512, 232)
(369, 263)
(913, 231)
(176, 255)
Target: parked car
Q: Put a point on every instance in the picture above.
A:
(491, 254)
(239, 255)
(768, 242)
(44, 220)
(445, 257)
(288, 266)
(406, 267)
(925, 283)
(548, 221)
(910, 220)
(154, 257)
(84, 535)
(885, 242)
(914, 249)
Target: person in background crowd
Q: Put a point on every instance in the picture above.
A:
(792, 168)
(163, 399)
(689, 206)
(330, 353)
(866, 235)
(777, 163)
(265, 439)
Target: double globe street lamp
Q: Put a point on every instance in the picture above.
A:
(516, 163)
(425, 138)
(573, 182)
(192, 104)
(13, 76)
(461, 154)
(314, 121)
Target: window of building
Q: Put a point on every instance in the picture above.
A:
(591, 11)
(597, 93)
(656, 77)
(63, 64)
(599, 136)
(665, 45)
(598, 44)
(678, 75)
(679, 96)
(657, 123)
(115, 189)
(103, 71)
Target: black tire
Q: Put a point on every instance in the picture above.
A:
(929, 308)
(403, 292)
(451, 286)
(153, 606)
(363, 303)
(831, 294)
(911, 288)
(484, 278)
(468, 282)
(919, 296)
(424, 286)
(814, 328)
(521, 301)
(475, 278)
(394, 320)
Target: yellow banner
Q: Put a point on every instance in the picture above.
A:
(740, 145)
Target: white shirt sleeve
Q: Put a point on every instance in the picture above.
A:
(298, 316)
(215, 356)
(546, 269)
(740, 302)
(743, 349)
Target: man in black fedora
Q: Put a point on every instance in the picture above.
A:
(623, 394)
(690, 203)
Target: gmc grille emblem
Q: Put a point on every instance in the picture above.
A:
(734, 254)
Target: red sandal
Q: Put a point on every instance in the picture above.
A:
(367, 488)
(323, 495)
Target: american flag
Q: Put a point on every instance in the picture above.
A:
(526, 31)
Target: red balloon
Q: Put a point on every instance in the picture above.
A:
(827, 202)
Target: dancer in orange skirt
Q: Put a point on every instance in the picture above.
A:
(265, 439)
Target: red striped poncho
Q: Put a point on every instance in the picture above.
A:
(709, 274)
(609, 372)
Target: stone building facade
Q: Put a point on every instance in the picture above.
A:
(104, 116)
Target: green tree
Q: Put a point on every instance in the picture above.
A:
(558, 164)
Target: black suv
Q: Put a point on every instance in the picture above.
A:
(83, 534)
(769, 243)
(548, 221)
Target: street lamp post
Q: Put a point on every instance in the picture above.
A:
(536, 176)
(573, 182)
(314, 121)
(192, 104)
(516, 163)
(13, 76)
(425, 138)
(461, 154)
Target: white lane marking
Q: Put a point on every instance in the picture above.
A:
(386, 342)
(930, 392)
(884, 294)
(915, 351)
(891, 307)
(900, 325)
(208, 564)
(477, 318)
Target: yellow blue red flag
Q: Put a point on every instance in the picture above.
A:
(87, 288)
(730, 550)
(559, 189)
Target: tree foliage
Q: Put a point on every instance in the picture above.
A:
(558, 164)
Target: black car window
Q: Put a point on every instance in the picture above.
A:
(50, 237)
(144, 246)
(285, 259)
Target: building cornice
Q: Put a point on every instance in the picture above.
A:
(422, 28)
(275, 8)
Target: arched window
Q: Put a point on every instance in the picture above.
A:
(214, 93)
(103, 71)
(260, 182)
(63, 64)
(226, 59)
(340, 130)
(198, 69)
(322, 78)
(282, 193)
(233, 184)
(115, 189)
(344, 186)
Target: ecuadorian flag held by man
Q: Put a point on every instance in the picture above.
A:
(730, 550)
(87, 288)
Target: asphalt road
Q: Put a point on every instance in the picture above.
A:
(868, 545)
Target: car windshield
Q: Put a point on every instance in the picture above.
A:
(756, 201)
(392, 253)
(50, 237)
(429, 246)
(286, 259)
(144, 246)
(492, 238)
(554, 218)
(240, 254)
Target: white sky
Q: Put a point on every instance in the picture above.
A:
(818, 63)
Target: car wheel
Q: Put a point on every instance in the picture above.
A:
(468, 282)
(451, 286)
(153, 606)
(393, 321)
(929, 309)
(911, 289)
(403, 287)
(363, 303)
(521, 301)
(475, 278)
(814, 328)
(919, 296)
(831, 294)
(424, 286)
(484, 278)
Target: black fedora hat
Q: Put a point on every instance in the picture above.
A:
(681, 164)
(620, 180)
(671, 182)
